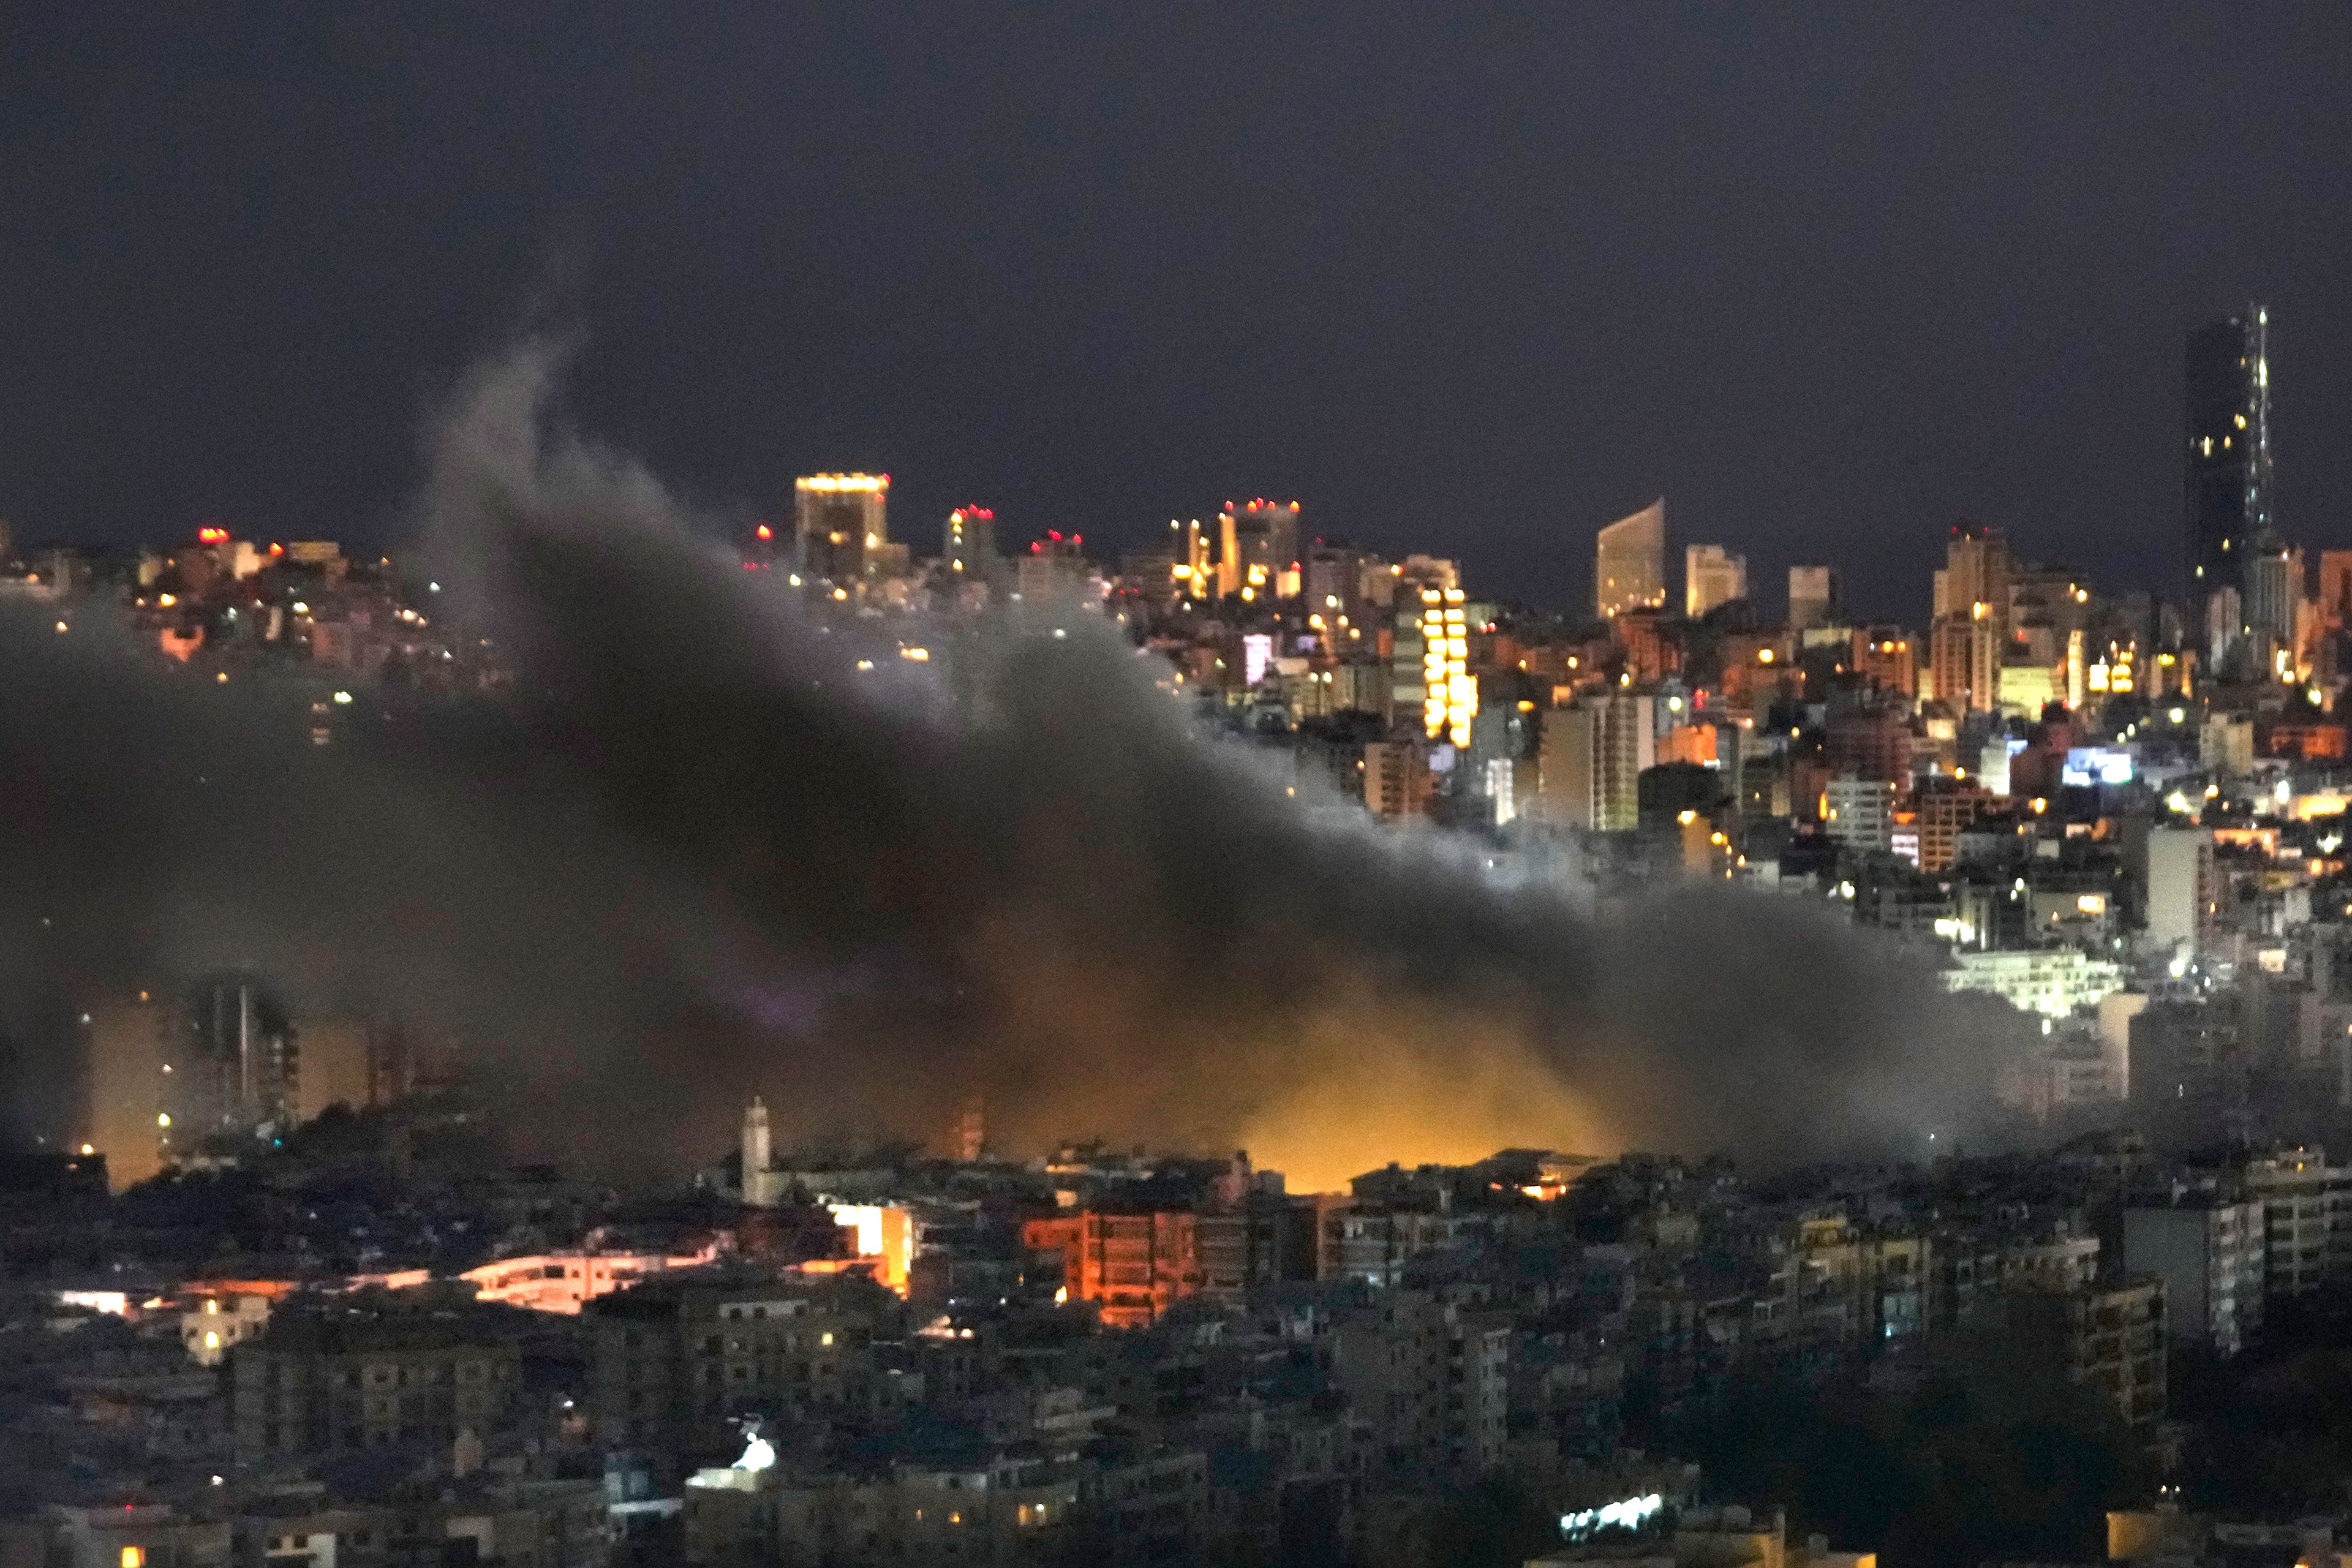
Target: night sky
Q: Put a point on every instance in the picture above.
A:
(1469, 277)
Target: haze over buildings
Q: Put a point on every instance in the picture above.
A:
(745, 961)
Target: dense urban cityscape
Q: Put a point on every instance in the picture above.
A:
(968, 783)
(287, 1283)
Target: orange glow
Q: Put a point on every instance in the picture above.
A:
(1379, 1098)
(212, 536)
(766, 532)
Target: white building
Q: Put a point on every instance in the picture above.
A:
(563, 1281)
(2054, 982)
(2181, 896)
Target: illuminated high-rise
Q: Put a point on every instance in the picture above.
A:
(1630, 563)
(2228, 456)
(841, 522)
(1259, 558)
(1970, 635)
(1712, 575)
(969, 546)
(1430, 659)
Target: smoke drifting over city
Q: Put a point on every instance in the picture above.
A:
(700, 853)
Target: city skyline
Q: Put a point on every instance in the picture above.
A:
(1960, 300)
(813, 786)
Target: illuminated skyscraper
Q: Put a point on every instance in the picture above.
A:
(1432, 664)
(1630, 563)
(1260, 554)
(1711, 576)
(1970, 635)
(2228, 460)
(841, 523)
(969, 549)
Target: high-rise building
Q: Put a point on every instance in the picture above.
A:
(2177, 873)
(1976, 572)
(1331, 581)
(1397, 782)
(1260, 555)
(969, 548)
(1711, 576)
(2273, 598)
(1814, 598)
(2228, 456)
(1964, 663)
(1593, 753)
(841, 522)
(232, 1071)
(1630, 563)
(1430, 658)
(1969, 633)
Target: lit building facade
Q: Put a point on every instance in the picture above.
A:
(841, 523)
(1711, 576)
(2055, 981)
(1132, 1266)
(1630, 563)
(1260, 555)
(968, 548)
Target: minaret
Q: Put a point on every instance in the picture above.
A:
(755, 1153)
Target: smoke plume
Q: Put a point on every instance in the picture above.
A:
(700, 851)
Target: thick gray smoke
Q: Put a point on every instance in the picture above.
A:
(698, 854)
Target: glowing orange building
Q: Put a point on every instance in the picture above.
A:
(1133, 1266)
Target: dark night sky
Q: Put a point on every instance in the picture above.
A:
(1472, 277)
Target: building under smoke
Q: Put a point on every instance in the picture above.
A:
(234, 1068)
